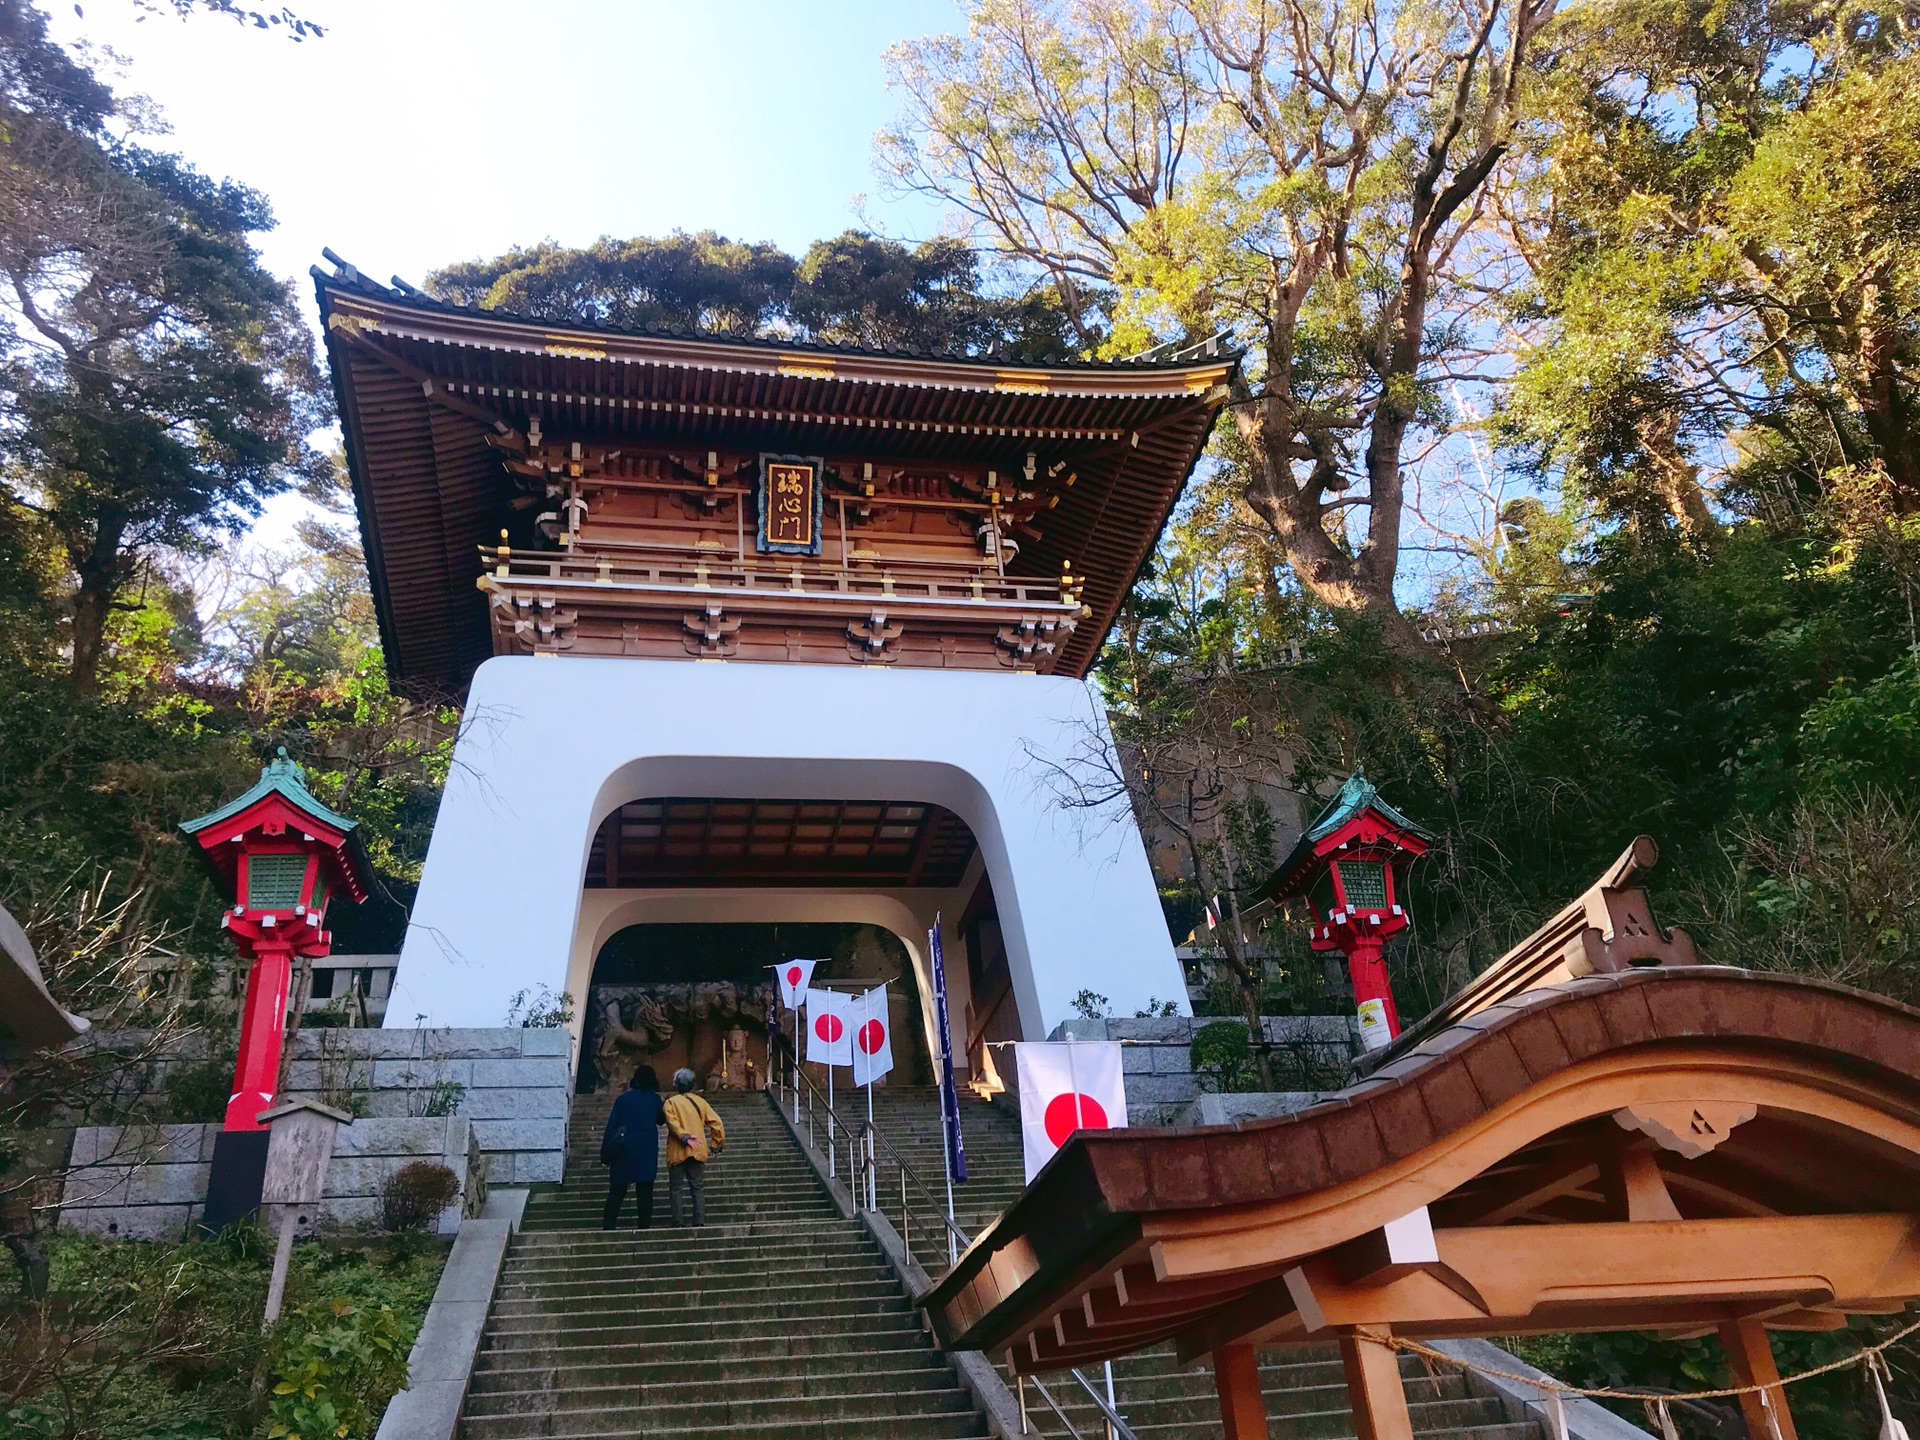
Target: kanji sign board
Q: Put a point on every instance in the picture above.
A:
(790, 504)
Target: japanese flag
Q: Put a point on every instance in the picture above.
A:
(829, 1031)
(1064, 1088)
(794, 977)
(872, 1037)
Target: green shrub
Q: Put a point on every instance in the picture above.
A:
(1222, 1056)
(335, 1365)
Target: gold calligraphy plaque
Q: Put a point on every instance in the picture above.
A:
(790, 504)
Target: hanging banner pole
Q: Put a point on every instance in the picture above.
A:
(952, 1148)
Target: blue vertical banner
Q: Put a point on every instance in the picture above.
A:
(949, 1097)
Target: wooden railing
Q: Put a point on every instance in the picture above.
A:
(681, 570)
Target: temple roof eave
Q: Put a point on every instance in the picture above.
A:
(1265, 1194)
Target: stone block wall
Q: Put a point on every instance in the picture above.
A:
(149, 1182)
(1162, 1088)
(139, 1182)
(515, 1085)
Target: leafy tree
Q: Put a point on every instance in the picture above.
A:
(156, 383)
(1721, 222)
(854, 289)
(1308, 179)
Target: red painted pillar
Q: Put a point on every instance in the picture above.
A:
(256, 1074)
(1372, 995)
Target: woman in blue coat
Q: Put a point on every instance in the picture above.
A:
(631, 1147)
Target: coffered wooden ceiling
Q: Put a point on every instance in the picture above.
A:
(687, 841)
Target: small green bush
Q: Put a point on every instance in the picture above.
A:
(1222, 1056)
(336, 1363)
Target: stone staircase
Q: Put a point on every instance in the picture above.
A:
(778, 1321)
(782, 1321)
(1306, 1399)
(909, 1119)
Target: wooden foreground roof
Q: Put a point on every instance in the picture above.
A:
(1674, 1148)
(422, 384)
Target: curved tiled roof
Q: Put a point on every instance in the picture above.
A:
(422, 385)
(1372, 1152)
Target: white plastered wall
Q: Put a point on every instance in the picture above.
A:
(549, 747)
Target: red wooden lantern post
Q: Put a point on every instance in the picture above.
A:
(283, 857)
(1349, 866)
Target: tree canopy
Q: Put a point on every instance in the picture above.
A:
(855, 289)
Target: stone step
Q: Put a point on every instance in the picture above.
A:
(958, 1426)
(821, 1304)
(580, 1371)
(646, 1267)
(793, 1383)
(767, 1415)
(737, 1300)
(626, 1345)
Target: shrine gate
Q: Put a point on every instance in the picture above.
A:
(753, 631)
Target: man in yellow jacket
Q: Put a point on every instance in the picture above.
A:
(694, 1133)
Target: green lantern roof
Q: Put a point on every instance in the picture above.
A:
(1356, 795)
(285, 778)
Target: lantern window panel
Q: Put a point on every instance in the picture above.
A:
(274, 882)
(319, 902)
(1364, 882)
(1320, 895)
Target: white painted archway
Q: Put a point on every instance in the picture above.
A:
(550, 747)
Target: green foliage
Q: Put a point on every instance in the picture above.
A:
(1090, 1006)
(336, 1365)
(1826, 1407)
(539, 1008)
(1222, 1056)
(140, 1341)
(853, 289)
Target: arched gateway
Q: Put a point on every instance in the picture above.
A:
(782, 606)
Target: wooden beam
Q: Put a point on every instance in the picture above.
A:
(1621, 1269)
(1637, 1172)
(1373, 1385)
(1236, 1378)
(1750, 1358)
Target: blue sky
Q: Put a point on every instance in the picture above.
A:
(422, 131)
(417, 132)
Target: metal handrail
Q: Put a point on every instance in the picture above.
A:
(1047, 1395)
(954, 1232)
(1118, 1429)
(957, 1238)
(855, 1150)
(1114, 1417)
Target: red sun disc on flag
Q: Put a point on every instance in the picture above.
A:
(1059, 1118)
(793, 977)
(828, 1028)
(870, 1037)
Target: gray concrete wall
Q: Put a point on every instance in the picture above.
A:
(149, 1182)
(1162, 1087)
(515, 1086)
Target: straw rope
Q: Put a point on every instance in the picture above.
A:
(1864, 1356)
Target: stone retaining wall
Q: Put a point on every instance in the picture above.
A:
(513, 1084)
(149, 1182)
(1161, 1084)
